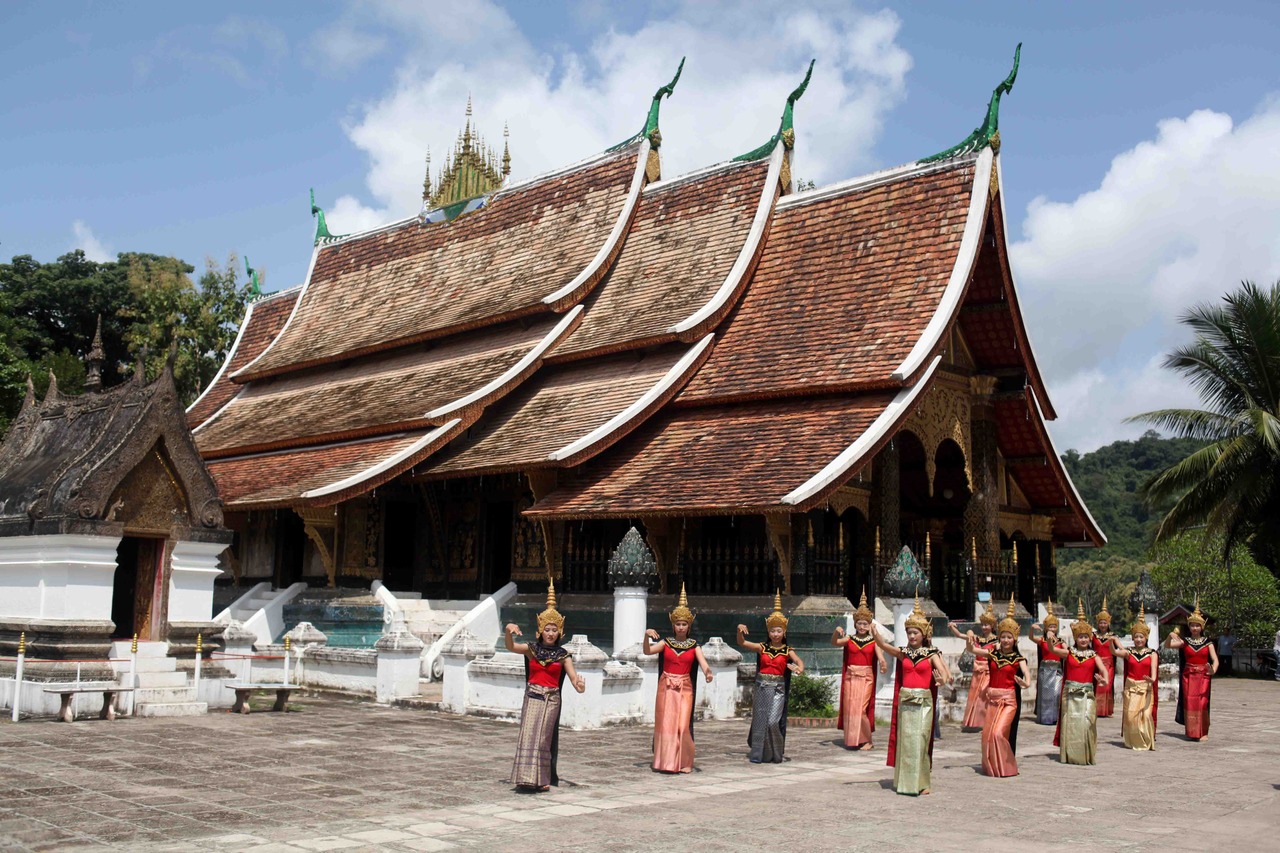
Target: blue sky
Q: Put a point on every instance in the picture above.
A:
(1138, 142)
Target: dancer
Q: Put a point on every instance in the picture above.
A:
(1102, 637)
(1199, 664)
(677, 691)
(1048, 668)
(775, 661)
(858, 685)
(975, 708)
(915, 693)
(1077, 734)
(1141, 667)
(1009, 675)
(546, 664)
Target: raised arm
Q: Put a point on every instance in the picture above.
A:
(1118, 650)
(886, 647)
(838, 637)
(1060, 651)
(1033, 631)
(956, 632)
(747, 644)
(653, 648)
(976, 651)
(512, 631)
(1174, 640)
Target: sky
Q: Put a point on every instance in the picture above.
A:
(1139, 143)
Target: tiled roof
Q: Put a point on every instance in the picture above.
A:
(372, 395)
(716, 459)
(565, 405)
(289, 478)
(263, 320)
(845, 287)
(411, 282)
(684, 242)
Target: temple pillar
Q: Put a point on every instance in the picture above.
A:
(541, 482)
(779, 529)
(321, 527)
(982, 513)
(663, 537)
(887, 498)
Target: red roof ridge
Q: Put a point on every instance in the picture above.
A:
(387, 465)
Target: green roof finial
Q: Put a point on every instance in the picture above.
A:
(987, 133)
(650, 130)
(255, 286)
(322, 228)
(786, 129)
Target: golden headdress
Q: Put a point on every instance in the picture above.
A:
(1008, 623)
(917, 619)
(551, 616)
(1050, 618)
(776, 619)
(1104, 615)
(682, 613)
(988, 616)
(863, 611)
(1141, 627)
(1081, 625)
(1196, 618)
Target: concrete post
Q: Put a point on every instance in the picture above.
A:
(722, 692)
(648, 666)
(460, 651)
(630, 608)
(399, 665)
(584, 710)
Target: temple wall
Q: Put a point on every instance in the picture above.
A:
(57, 577)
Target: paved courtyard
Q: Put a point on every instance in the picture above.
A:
(341, 775)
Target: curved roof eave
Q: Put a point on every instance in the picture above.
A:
(1060, 471)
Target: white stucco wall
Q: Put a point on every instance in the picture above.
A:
(61, 576)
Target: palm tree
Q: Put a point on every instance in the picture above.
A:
(1231, 487)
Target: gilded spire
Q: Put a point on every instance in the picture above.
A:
(864, 610)
(776, 619)
(506, 150)
(1081, 625)
(1197, 618)
(682, 613)
(1050, 618)
(987, 133)
(551, 616)
(917, 619)
(470, 170)
(1009, 622)
(93, 361)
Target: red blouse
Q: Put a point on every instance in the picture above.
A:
(917, 671)
(678, 662)
(1197, 656)
(1140, 668)
(980, 664)
(545, 675)
(773, 661)
(1003, 669)
(1081, 671)
(857, 653)
(1103, 649)
(1045, 653)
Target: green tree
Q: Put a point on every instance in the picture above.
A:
(1237, 590)
(1113, 578)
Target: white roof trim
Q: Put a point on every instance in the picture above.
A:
(619, 420)
(306, 283)
(515, 370)
(385, 465)
(624, 216)
(970, 242)
(1031, 353)
(739, 269)
(564, 170)
(898, 407)
(696, 173)
(1057, 457)
(244, 324)
(862, 182)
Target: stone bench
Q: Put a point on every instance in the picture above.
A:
(244, 688)
(68, 692)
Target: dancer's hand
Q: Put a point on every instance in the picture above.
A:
(709, 676)
(513, 629)
(884, 667)
(742, 629)
(793, 667)
(839, 632)
(580, 684)
(652, 634)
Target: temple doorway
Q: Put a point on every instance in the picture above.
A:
(498, 519)
(137, 586)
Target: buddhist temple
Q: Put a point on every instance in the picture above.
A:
(776, 388)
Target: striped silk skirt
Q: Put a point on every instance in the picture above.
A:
(1078, 741)
(768, 709)
(672, 740)
(997, 753)
(912, 765)
(1048, 692)
(857, 691)
(535, 763)
(1138, 724)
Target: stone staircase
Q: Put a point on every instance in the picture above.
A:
(425, 623)
(260, 598)
(350, 618)
(162, 691)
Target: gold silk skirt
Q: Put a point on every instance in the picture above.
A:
(912, 766)
(1138, 725)
(1078, 741)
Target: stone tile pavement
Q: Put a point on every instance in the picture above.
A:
(341, 775)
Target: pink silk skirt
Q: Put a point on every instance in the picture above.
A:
(975, 709)
(857, 693)
(997, 755)
(672, 740)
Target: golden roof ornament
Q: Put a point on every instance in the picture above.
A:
(988, 616)
(863, 611)
(682, 613)
(776, 619)
(1050, 618)
(917, 619)
(1197, 618)
(551, 616)
(1081, 626)
(1141, 627)
(1104, 615)
(1009, 623)
(471, 169)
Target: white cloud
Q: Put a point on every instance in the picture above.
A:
(1177, 220)
(743, 60)
(94, 249)
(343, 47)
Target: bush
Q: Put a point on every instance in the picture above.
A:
(811, 697)
(1188, 565)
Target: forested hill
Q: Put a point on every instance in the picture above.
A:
(1108, 480)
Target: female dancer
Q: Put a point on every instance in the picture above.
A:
(677, 692)
(1009, 675)
(1102, 645)
(1141, 666)
(920, 671)
(546, 663)
(1199, 665)
(858, 684)
(1077, 734)
(1048, 669)
(775, 661)
(975, 709)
